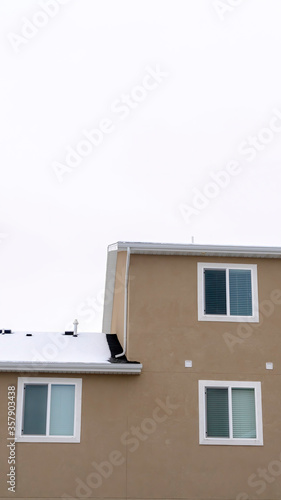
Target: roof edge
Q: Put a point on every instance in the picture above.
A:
(104, 368)
(192, 249)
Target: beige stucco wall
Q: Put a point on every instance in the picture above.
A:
(158, 449)
(164, 331)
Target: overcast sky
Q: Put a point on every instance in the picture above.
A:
(136, 120)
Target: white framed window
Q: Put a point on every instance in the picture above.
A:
(48, 410)
(227, 292)
(230, 413)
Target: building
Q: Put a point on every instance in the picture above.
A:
(196, 417)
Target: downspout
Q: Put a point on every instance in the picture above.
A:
(125, 304)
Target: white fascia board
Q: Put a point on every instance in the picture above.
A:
(199, 250)
(106, 368)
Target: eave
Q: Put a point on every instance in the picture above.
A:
(199, 250)
(102, 368)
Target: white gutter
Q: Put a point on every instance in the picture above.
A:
(125, 304)
(106, 368)
(199, 250)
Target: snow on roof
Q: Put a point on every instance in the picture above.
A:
(54, 347)
(57, 352)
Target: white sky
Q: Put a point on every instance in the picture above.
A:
(221, 87)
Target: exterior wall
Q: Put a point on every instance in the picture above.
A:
(139, 434)
(164, 331)
(55, 470)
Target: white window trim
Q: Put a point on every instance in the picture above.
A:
(77, 410)
(201, 266)
(203, 384)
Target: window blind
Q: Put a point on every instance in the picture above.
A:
(240, 290)
(243, 413)
(35, 409)
(215, 291)
(217, 412)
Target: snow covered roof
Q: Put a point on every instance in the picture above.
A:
(57, 352)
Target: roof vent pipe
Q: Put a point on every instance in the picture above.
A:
(75, 324)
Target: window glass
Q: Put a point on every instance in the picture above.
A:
(240, 290)
(243, 413)
(48, 410)
(35, 409)
(217, 412)
(230, 413)
(227, 292)
(62, 410)
(215, 291)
